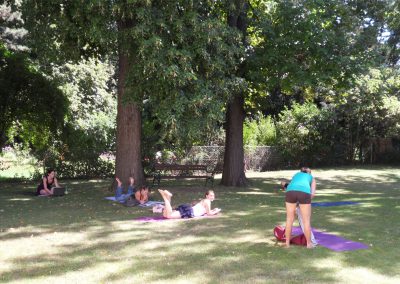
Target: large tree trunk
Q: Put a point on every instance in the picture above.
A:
(233, 172)
(128, 161)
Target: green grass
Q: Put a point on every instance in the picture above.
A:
(17, 171)
(83, 238)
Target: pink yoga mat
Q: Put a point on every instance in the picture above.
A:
(161, 218)
(332, 242)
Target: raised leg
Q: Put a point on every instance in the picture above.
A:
(167, 212)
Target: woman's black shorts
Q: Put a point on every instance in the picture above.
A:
(186, 210)
(294, 196)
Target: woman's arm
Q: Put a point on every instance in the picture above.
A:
(313, 187)
(207, 206)
(138, 197)
(145, 197)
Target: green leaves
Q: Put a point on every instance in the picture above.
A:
(29, 99)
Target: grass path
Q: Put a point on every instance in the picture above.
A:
(82, 238)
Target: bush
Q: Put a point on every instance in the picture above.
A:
(259, 132)
(307, 135)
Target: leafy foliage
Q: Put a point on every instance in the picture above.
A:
(184, 70)
(31, 106)
(89, 130)
(300, 46)
(343, 131)
(12, 32)
(261, 131)
(182, 58)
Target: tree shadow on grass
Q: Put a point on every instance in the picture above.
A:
(238, 247)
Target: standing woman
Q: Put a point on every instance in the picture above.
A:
(301, 190)
(48, 182)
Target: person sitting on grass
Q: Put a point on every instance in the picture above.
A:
(49, 181)
(141, 195)
(201, 208)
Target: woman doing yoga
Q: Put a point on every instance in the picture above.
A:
(186, 210)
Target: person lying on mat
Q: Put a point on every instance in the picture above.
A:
(201, 208)
(119, 193)
(49, 181)
(141, 195)
(300, 190)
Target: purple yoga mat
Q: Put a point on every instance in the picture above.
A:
(331, 241)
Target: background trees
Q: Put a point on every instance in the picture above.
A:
(176, 71)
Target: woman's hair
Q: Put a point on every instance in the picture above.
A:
(306, 170)
(49, 170)
(208, 192)
(144, 187)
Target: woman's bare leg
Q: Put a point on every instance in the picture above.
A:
(290, 214)
(46, 192)
(167, 203)
(305, 210)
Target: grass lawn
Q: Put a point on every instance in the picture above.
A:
(82, 238)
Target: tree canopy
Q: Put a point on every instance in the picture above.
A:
(175, 72)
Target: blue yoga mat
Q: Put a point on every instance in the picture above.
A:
(337, 203)
(149, 203)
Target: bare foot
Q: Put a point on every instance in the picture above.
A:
(118, 181)
(161, 192)
(131, 181)
(168, 193)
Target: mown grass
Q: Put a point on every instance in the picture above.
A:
(83, 238)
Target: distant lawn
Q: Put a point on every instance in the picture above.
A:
(82, 238)
(18, 171)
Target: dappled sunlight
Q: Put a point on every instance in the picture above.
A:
(249, 236)
(253, 193)
(241, 213)
(333, 192)
(20, 199)
(344, 273)
(82, 238)
(340, 220)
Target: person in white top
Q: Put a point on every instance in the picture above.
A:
(187, 210)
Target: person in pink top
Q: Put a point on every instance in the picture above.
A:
(201, 208)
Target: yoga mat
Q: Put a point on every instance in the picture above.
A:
(329, 204)
(147, 204)
(331, 241)
(112, 198)
(161, 218)
(151, 203)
